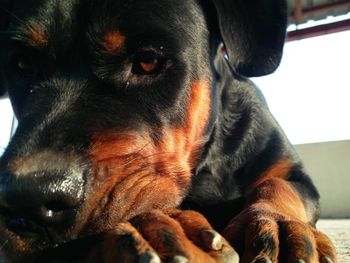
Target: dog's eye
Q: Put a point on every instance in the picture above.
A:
(147, 63)
(23, 65)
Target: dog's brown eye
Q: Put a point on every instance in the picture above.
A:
(149, 66)
(147, 63)
(23, 65)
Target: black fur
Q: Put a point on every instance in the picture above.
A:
(73, 87)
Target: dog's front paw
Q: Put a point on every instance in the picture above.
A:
(264, 236)
(154, 237)
(171, 236)
(183, 236)
(124, 244)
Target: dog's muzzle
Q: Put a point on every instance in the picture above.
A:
(40, 199)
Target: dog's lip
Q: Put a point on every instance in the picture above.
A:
(19, 225)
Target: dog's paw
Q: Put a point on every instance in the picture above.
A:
(183, 236)
(159, 236)
(124, 244)
(264, 236)
(171, 236)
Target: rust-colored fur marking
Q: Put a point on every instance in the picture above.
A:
(188, 136)
(278, 170)
(273, 190)
(278, 196)
(38, 36)
(114, 42)
(135, 173)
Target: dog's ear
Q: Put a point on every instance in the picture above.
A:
(253, 32)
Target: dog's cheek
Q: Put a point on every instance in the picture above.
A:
(199, 108)
(128, 178)
(133, 173)
(187, 138)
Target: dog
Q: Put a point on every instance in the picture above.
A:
(140, 136)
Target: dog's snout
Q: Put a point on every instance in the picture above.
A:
(44, 197)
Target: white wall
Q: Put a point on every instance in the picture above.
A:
(328, 163)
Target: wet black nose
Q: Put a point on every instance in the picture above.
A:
(44, 197)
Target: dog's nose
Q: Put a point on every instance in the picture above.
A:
(44, 197)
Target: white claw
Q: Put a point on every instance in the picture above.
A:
(212, 239)
(179, 259)
(149, 257)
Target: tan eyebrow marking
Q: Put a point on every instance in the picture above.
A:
(114, 42)
(37, 35)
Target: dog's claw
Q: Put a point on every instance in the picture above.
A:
(179, 259)
(149, 257)
(212, 239)
(262, 260)
(326, 260)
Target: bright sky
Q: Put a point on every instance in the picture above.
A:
(309, 94)
(6, 116)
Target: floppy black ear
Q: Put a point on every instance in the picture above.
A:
(253, 32)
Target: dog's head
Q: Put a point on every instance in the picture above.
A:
(115, 100)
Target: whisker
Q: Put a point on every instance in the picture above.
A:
(12, 14)
(142, 162)
(139, 157)
(4, 244)
(136, 156)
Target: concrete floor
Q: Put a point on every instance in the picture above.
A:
(328, 165)
(339, 231)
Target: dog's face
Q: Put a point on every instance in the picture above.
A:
(112, 108)
(115, 100)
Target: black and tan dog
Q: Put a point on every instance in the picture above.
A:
(131, 114)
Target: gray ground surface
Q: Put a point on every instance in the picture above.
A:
(339, 231)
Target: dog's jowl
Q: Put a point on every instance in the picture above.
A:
(140, 137)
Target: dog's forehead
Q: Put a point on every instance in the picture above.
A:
(136, 17)
(39, 22)
(54, 20)
(166, 12)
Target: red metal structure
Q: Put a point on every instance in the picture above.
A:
(302, 11)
